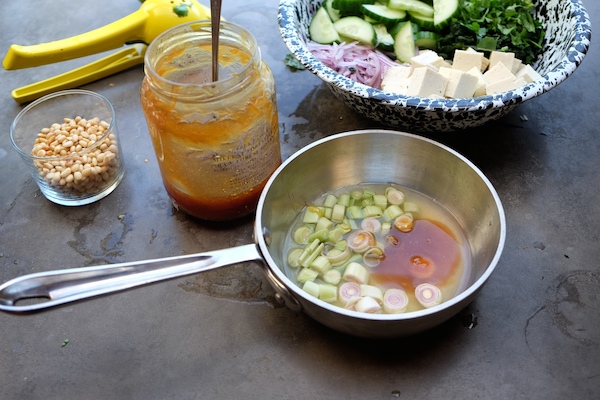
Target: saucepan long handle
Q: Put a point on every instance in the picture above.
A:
(68, 285)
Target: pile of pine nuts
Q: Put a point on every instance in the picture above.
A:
(85, 162)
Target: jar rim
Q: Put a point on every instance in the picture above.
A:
(202, 27)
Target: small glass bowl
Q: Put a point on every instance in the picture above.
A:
(69, 142)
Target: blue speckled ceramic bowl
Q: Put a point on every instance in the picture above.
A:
(568, 35)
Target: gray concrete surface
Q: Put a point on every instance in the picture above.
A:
(221, 335)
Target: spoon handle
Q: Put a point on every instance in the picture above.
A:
(52, 288)
(215, 17)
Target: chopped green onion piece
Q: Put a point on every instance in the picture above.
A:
(330, 201)
(301, 235)
(293, 256)
(311, 288)
(372, 211)
(338, 213)
(327, 292)
(320, 264)
(306, 274)
(355, 272)
(333, 277)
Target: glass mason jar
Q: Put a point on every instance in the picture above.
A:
(217, 143)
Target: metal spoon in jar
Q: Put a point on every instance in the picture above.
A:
(215, 17)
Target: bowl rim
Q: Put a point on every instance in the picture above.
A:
(465, 296)
(575, 55)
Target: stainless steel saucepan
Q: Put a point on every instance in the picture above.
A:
(368, 156)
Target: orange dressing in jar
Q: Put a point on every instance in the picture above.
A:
(217, 143)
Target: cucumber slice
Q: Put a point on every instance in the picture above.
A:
(421, 20)
(385, 41)
(426, 40)
(383, 14)
(412, 5)
(356, 28)
(321, 29)
(334, 14)
(350, 7)
(444, 10)
(404, 43)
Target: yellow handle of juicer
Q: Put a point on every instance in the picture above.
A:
(144, 25)
(102, 68)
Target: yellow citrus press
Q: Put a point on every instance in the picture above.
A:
(137, 30)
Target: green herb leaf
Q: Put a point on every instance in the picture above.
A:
(293, 62)
(64, 343)
(510, 23)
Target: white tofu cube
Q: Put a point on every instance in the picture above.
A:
(395, 79)
(461, 84)
(528, 73)
(427, 58)
(500, 86)
(502, 57)
(485, 63)
(517, 65)
(498, 72)
(481, 84)
(465, 60)
(425, 82)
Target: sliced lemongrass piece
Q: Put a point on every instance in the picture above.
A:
(367, 305)
(308, 250)
(306, 274)
(355, 272)
(354, 212)
(317, 252)
(360, 241)
(380, 201)
(312, 214)
(356, 194)
(348, 291)
(320, 235)
(386, 227)
(392, 212)
(311, 288)
(338, 213)
(394, 196)
(344, 200)
(373, 257)
(338, 257)
(333, 277)
(302, 234)
(345, 226)
(428, 295)
(372, 211)
(323, 223)
(335, 235)
(404, 223)
(327, 292)
(341, 245)
(292, 257)
(411, 207)
(327, 212)
(372, 291)
(370, 224)
(330, 201)
(395, 301)
(320, 264)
